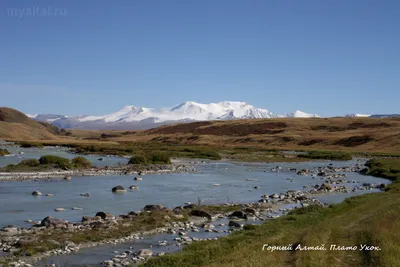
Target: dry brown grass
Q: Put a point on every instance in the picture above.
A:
(348, 134)
(345, 134)
(16, 125)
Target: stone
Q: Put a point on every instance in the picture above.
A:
(51, 221)
(90, 219)
(155, 207)
(25, 241)
(145, 253)
(239, 214)
(105, 215)
(134, 187)
(133, 213)
(138, 179)
(326, 186)
(36, 193)
(234, 224)
(251, 211)
(85, 195)
(274, 196)
(76, 208)
(59, 209)
(118, 188)
(200, 213)
(67, 177)
(208, 226)
(49, 195)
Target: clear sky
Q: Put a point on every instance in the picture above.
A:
(93, 57)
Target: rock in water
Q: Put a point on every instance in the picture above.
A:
(200, 213)
(59, 209)
(67, 177)
(239, 214)
(134, 187)
(234, 224)
(118, 188)
(146, 253)
(51, 221)
(36, 193)
(138, 179)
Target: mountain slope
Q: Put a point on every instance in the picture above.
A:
(17, 126)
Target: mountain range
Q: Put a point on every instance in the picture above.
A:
(132, 117)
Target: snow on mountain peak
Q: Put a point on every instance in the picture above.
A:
(301, 114)
(188, 110)
(353, 115)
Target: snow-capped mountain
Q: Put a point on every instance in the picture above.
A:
(132, 117)
(356, 115)
(301, 114)
(186, 111)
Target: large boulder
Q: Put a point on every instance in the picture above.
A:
(118, 188)
(105, 215)
(238, 214)
(52, 221)
(200, 213)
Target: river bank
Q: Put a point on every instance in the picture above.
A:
(99, 171)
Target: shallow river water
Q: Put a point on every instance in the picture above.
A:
(18, 205)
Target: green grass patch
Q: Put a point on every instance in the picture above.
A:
(386, 168)
(48, 162)
(30, 144)
(4, 152)
(327, 155)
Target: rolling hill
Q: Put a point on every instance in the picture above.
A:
(15, 125)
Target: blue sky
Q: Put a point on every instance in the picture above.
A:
(93, 57)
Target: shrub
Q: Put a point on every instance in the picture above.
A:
(138, 159)
(160, 157)
(210, 155)
(327, 155)
(27, 145)
(4, 152)
(81, 162)
(29, 162)
(55, 160)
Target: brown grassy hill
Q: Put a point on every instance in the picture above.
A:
(350, 134)
(15, 125)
